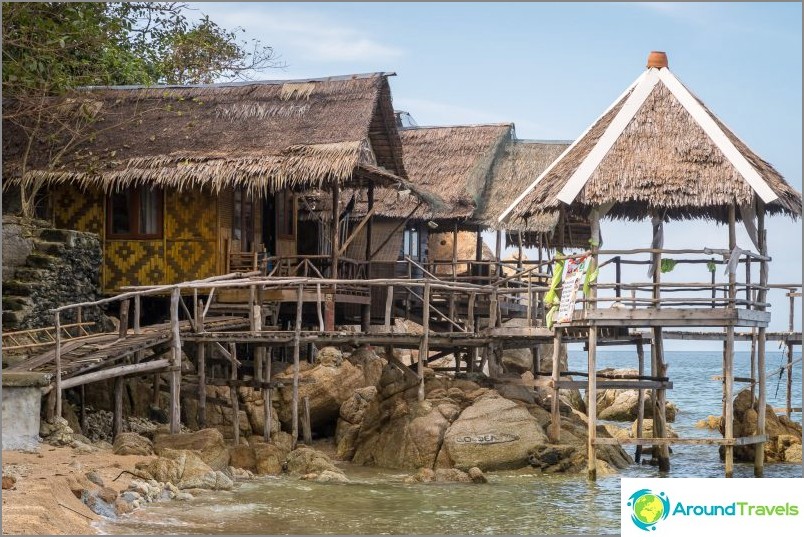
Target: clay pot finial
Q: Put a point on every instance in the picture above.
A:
(657, 59)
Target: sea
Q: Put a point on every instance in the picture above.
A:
(377, 501)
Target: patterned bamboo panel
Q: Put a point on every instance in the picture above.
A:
(191, 215)
(77, 209)
(133, 263)
(190, 260)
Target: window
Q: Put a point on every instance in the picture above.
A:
(135, 213)
(286, 214)
(243, 220)
(410, 243)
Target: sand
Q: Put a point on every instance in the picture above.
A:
(41, 501)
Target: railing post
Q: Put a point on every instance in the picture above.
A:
(58, 363)
(137, 314)
(123, 329)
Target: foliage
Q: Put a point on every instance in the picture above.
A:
(51, 48)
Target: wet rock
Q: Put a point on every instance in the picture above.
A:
(208, 443)
(452, 475)
(328, 476)
(306, 460)
(132, 444)
(350, 420)
(184, 496)
(107, 494)
(268, 459)
(573, 432)
(422, 475)
(476, 475)
(623, 405)
(243, 457)
(647, 430)
(783, 434)
(185, 469)
(494, 433)
(552, 457)
(709, 422)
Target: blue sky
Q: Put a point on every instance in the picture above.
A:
(552, 68)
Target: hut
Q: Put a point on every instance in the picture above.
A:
(659, 153)
(183, 182)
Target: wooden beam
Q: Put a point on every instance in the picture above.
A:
(357, 230)
(103, 374)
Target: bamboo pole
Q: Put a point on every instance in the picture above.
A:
(554, 432)
(175, 374)
(58, 364)
(366, 313)
(296, 343)
(759, 449)
(728, 358)
(425, 346)
(137, 314)
(591, 391)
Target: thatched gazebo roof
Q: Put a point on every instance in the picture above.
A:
(657, 148)
(264, 136)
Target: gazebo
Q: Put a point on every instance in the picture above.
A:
(658, 152)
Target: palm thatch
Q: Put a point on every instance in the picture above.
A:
(663, 161)
(264, 136)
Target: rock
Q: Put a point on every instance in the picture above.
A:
(709, 422)
(647, 430)
(492, 434)
(452, 475)
(328, 476)
(329, 356)
(95, 477)
(517, 360)
(283, 441)
(350, 420)
(183, 496)
(9, 481)
(423, 475)
(56, 432)
(370, 362)
(623, 405)
(243, 457)
(132, 444)
(326, 387)
(185, 469)
(130, 496)
(208, 443)
(107, 494)
(255, 411)
(240, 473)
(268, 459)
(81, 447)
(103, 445)
(552, 457)
(122, 507)
(476, 475)
(304, 460)
(783, 434)
(621, 433)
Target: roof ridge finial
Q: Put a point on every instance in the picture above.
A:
(657, 59)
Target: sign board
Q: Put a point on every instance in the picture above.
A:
(574, 275)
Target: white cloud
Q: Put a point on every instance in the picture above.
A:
(299, 34)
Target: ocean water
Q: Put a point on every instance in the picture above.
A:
(379, 502)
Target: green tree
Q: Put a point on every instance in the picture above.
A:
(52, 48)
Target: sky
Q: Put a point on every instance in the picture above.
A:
(552, 68)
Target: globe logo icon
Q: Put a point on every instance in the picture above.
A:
(648, 508)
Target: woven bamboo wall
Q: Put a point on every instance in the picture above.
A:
(190, 235)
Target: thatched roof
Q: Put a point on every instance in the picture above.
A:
(264, 136)
(664, 154)
(452, 163)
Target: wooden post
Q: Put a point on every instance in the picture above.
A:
(233, 395)
(478, 253)
(201, 365)
(366, 313)
(495, 368)
(425, 347)
(728, 358)
(498, 253)
(659, 369)
(554, 431)
(175, 369)
(58, 363)
(334, 231)
(137, 314)
(640, 348)
(124, 307)
(296, 344)
(117, 426)
(83, 416)
(471, 328)
(389, 302)
(762, 293)
(266, 398)
(307, 432)
(455, 250)
(789, 396)
(591, 406)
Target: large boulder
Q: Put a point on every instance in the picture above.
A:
(132, 444)
(208, 443)
(304, 461)
(254, 407)
(623, 405)
(185, 469)
(268, 458)
(350, 420)
(784, 435)
(494, 433)
(327, 385)
(243, 456)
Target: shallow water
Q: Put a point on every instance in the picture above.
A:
(379, 502)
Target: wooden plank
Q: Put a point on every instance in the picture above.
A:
(616, 384)
(112, 372)
(742, 441)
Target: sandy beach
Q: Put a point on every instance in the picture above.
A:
(42, 500)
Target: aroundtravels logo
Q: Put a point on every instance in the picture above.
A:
(648, 508)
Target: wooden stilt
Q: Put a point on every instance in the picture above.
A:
(117, 427)
(659, 369)
(233, 398)
(83, 411)
(266, 397)
(175, 373)
(424, 350)
(762, 293)
(389, 303)
(201, 366)
(554, 431)
(640, 348)
(728, 358)
(58, 364)
(366, 313)
(307, 432)
(123, 328)
(591, 390)
(296, 344)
